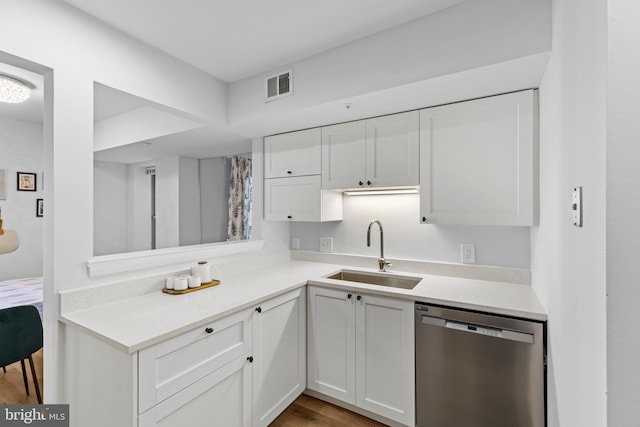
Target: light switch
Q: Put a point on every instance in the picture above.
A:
(576, 206)
(295, 243)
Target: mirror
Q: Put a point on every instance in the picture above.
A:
(162, 179)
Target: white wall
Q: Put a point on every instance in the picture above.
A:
(623, 211)
(167, 202)
(406, 238)
(568, 263)
(189, 202)
(214, 182)
(21, 150)
(139, 207)
(73, 51)
(110, 208)
(468, 36)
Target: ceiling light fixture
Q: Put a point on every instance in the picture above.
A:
(13, 91)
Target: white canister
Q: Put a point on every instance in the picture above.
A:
(194, 281)
(202, 270)
(180, 284)
(170, 282)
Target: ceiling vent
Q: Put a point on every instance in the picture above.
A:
(278, 85)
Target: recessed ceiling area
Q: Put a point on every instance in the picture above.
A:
(129, 129)
(232, 40)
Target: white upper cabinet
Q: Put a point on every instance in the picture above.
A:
(300, 199)
(292, 154)
(292, 185)
(478, 161)
(392, 155)
(378, 152)
(343, 155)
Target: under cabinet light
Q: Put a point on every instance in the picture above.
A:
(13, 91)
(385, 191)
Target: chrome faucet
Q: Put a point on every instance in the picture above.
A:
(382, 263)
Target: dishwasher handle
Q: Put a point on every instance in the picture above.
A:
(478, 329)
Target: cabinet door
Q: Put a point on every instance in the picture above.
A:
(172, 365)
(292, 154)
(280, 355)
(331, 343)
(222, 398)
(478, 161)
(392, 153)
(300, 199)
(343, 155)
(385, 367)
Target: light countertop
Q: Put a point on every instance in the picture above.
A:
(134, 323)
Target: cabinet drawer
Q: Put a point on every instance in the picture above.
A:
(222, 398)
(172, 365)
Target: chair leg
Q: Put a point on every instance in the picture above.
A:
(24, 377)
(35, 380)
(4, 368)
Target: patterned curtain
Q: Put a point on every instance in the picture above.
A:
(239, 227)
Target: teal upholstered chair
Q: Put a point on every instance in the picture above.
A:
(20, 337)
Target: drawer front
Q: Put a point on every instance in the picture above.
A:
(222, 398)
(170, 366)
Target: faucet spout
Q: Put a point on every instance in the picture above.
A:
(382, 263)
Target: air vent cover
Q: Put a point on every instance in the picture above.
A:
(278, 85)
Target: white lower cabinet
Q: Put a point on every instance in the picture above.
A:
(241, 370)
(279, 355)
(200, 378)
(222, 398)
(244, 369)
(361, 351)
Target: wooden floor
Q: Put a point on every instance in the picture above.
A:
(308, 411)
(12, 384)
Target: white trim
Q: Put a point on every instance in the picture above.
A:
(119, 263)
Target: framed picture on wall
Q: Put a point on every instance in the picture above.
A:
(39, 208)
(26, 181)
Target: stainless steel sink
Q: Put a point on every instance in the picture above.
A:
(381, 279)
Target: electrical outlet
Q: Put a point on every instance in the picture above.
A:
(326, 244)
(295, 243)
(468, 253)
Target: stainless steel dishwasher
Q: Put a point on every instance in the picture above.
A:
(478, 370)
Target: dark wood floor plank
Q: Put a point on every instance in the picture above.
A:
(308, 411)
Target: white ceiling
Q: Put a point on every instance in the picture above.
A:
(234, 39)
(228, 39)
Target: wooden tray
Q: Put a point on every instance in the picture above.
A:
(186, 291)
